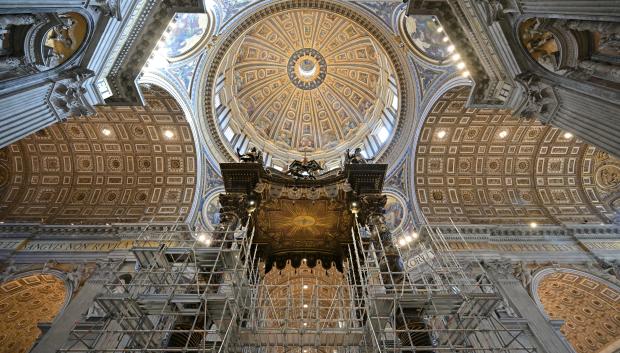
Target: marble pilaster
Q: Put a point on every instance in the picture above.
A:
(511, 288)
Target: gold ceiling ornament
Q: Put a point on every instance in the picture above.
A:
(24, 303)
(296, 228)
(306, 81)
(590, 309)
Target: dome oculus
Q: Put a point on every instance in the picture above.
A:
(307, 68)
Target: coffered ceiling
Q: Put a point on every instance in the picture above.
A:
(486, 166)
(124, 164)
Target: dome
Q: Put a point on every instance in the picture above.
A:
(306, 82)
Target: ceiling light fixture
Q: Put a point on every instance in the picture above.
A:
(305, 306)
(441, 134)
(450, 48)
(445, 39)
(305, 286)
(533, 225)
(168, 134)
(503, 134)
(455, 56)
(568, 135)
(106, 132)
(465, 74)
(460, 65)
(439, 29)
(402, 242)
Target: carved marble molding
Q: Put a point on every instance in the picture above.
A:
(67, 96)
(136, 42)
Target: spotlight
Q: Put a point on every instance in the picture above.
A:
(451, 48)
(456, 56)
(568, 135)
(168, 134)
(355, 207)
(445, 39)
(533, 225)
(503, 134)
(465, 74)
(441, 134)
(414, 235)
(305, 286)
(106, 132)
(251, 205)
(460, 65)
(408, 238)
(439, 29)
(305, 306)
(305, 324)
(402, 242)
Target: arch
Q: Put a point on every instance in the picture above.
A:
(484, 166)
(26, 301)
(124, 164)
(588, 305)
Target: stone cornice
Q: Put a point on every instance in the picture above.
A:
(83, 232)
(475, 40)
(139, 37)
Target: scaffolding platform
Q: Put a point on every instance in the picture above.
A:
(325, 337)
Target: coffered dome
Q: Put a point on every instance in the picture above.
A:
(306, 81)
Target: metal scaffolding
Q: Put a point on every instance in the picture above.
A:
(208, 293)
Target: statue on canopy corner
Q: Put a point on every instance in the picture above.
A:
(356, 157)
(253, 155)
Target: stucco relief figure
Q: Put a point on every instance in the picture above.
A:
(68, 96)
(609, 44)
(523, 274)
(253, 155)
(608, 177)
(8, 271)
(539, 98)
(76, 276)
(542, 45)
(62, 41)
(10, 62)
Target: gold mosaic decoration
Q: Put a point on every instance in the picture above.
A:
(115, 166)
(590, 310)
(25, 302)
(485, 166)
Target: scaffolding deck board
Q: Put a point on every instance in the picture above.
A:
(301, 337)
